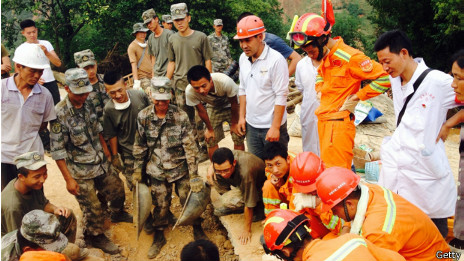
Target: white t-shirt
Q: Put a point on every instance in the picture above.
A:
(265, 84)
(224, 88)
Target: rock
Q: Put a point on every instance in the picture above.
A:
(227, 244)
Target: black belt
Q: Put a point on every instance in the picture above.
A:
(342, 119)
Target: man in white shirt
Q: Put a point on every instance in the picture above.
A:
(263, 88)
(413, 164)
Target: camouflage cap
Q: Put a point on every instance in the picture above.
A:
(179, 11)
(217, 21)
(43, 229)
(84, 58)
(148, 15)
(78, 81)
(30, 160)
(161, 88)
(139, 27)
(167, 19)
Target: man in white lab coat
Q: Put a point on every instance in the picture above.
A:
(413, 164)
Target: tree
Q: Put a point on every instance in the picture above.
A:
(435, 27)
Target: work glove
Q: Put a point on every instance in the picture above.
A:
(196, 184)
(136, 176)
(116, 161)
(136, 85)
(349, 105)
(302, 201)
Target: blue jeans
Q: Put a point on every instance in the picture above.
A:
(256, 138)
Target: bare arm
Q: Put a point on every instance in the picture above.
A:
(105, 147)
(134, 71)
(209, 132)
(153, 61)
(294, 59)
(242, 114)
(450, 123)
(6, 64)
(273, 133)
(51, 55)
(235, 114)
(170, 70)
(113, 145)
(245, 236)
(60, 211)
(71, 184)
(209, 65)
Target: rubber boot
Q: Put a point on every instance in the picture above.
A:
(158, 242)
(198, 232)
(121, 216)
(102, 242)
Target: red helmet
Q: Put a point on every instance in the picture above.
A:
(309, 27)
(305, 169)
(279, 225)
(334, 185)
(249, 26)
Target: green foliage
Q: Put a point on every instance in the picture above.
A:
(435, 27)
(100, 25)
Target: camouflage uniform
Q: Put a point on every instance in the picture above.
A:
(75, 138)
(98, 95)
(221, 54)
(38, 227)
(169, 146)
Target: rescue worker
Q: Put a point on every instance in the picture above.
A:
(413, 164)
(165, 146)
(339, 78)
(80, 151)
(219, 42)
(120, 122)
(85, 59)
(139, 58)
(263, 88)
(379, 215)
(277, 189)
(288, 236)
(219, 92)
(22, 100)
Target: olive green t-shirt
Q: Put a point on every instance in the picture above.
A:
(248, 176)
(15, 205)
(123, 123)
(158, 47)
(188, 51)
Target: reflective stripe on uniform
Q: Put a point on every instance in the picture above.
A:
(342, 55)
(319, 79)
(346, 249)
(391, 211)
(271, 201)
(376, 84)
(333, 222)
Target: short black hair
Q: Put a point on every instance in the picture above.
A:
(458, 57)
(23, 171)
(23, 242)
(112, 77)
(27, 23)
(221, 155)
(197, 72)
(274, 149)
(200, 250)
(396, 40)
(243, 15)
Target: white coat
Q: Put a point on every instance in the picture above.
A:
(305, 80)
(413, 165)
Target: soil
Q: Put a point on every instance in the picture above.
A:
(124, 234)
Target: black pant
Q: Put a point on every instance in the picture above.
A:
(9, 172)
(442, 225)
(53, 88)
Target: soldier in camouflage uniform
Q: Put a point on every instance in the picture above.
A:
(220, 45)
(39, 231)
(86, 60)
(79, 150)
(165, 138)
(167, 21)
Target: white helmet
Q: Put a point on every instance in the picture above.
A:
(32, 56)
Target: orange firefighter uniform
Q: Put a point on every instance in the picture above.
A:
(348, 247)
(393, 222)
(339, 76)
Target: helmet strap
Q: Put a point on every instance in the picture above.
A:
(348, 219)
(320, 43)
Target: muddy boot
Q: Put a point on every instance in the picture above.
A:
(198, 232)
(158, 242)
(121, 216)
(102, 242)
(148, 226)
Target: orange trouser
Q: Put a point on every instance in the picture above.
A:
(336, 138)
